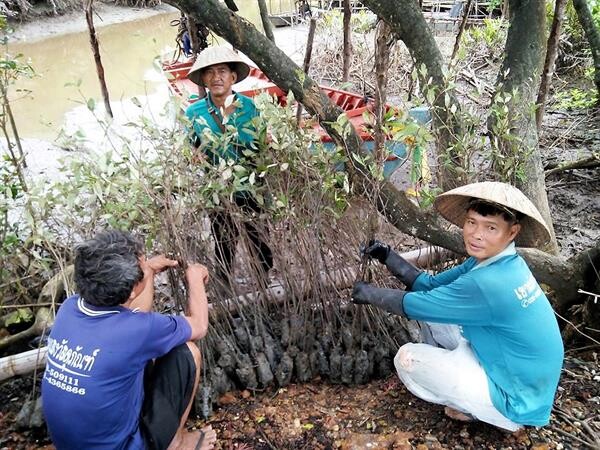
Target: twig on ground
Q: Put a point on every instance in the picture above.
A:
(573, 421)
(572, 436)
(577, 329)
(582, 349)
(266, 439)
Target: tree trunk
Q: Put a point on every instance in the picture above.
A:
(461, 30)
(505, 10)
(382, 62)
(592, 35)
(512, 120)
(266, 23)
(43, 321)
(192, 28)
(406, 20)
(551, 52)
(18, 160)
(347, 42)
(307, 55)
(96, 51)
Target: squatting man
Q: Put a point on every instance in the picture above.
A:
(492, 349)
(119, 376)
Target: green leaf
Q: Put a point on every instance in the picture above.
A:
(21, 315)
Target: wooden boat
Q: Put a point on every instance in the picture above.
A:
(354, 105)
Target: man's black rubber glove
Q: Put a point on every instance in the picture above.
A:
(400, 268)
(391, 300)
(377, 250)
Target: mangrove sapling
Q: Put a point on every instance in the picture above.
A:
(302, 367)
(207, 397)
(347, 366)
(241, 334)
(383, 361)
(361, 367)
(263, 370)
(347, 339)
(260, 343)
(245, 372)
(335, 364)
(272, 348)
(219, 381)
(283, 374)
(322, 361)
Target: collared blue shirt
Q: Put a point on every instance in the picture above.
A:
(510, 324)
(239, 124)
(93, 385)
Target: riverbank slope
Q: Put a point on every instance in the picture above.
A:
(74, 21)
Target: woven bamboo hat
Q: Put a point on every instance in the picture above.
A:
(453, 206)
(217, 55)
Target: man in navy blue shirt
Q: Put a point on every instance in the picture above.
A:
(492, 348)
(119, 376)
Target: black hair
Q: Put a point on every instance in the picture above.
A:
(107, 267)
(232, 66)
(487, 208)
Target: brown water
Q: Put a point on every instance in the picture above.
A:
(67, 73)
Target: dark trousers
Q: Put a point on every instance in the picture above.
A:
(226, 233)
(168, 386)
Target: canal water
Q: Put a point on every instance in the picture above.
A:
(66, 74)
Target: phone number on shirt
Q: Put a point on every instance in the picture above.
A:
(64, 382)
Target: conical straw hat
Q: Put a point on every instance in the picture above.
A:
(217, 55)
(453, 206)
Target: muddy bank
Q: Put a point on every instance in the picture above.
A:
(74, 22)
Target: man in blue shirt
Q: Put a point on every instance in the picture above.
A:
(119, 376)
(493, 349)
(222, 130)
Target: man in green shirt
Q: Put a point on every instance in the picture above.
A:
(224, 112)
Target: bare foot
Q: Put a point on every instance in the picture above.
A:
(458, 415)
(203, 439)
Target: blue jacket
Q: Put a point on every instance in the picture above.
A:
(511, 327)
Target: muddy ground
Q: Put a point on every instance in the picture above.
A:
(378, 415)
(574, 196)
